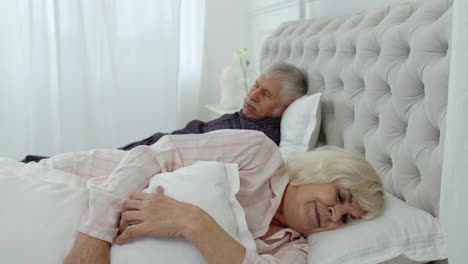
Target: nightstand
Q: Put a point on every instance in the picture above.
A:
(217, 110)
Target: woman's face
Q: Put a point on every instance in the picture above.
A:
(313, 208)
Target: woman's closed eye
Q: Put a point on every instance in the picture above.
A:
(341, 199)
(339, 196)
(345, 218)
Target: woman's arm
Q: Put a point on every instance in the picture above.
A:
(154, 214)
(87, 249)
(255, 155)
(214, 243)
(86, 164)
(252, 151)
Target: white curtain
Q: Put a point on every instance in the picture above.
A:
(454, 194)
(76, 75)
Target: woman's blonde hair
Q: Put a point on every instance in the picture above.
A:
(349, 170)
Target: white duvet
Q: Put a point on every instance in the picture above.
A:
(42, 208)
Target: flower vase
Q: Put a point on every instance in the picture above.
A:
(243, 89)
(230, 93)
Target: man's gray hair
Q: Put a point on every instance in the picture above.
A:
(293, 79)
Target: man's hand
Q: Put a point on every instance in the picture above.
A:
(88, 249)
(154, 214)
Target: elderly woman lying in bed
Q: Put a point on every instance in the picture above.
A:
(316, 191)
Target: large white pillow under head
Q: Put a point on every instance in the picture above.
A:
(402, 234)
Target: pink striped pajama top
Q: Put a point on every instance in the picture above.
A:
(115, 174)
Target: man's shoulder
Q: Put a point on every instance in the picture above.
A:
(226, 121)
(226, 117)
(272, 122)
(239, 121)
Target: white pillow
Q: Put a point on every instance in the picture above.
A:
(42, 207)
(403, 233)
(300, 125)
(209, 185)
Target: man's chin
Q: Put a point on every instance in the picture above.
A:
(247, 113)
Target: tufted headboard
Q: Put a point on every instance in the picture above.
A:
(384, 76)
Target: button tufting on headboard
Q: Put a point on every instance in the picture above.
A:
(384, 77)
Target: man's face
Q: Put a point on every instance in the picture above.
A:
(264, 99)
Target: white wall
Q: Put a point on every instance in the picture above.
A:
(338, 7)
(265, 17)
(232, 25)
(226, 30)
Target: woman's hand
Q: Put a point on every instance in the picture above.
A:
(154, 214)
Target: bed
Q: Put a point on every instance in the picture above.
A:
(383, 74)
(378, 84)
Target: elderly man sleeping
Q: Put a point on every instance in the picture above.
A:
(273, 91)
(313, 192)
